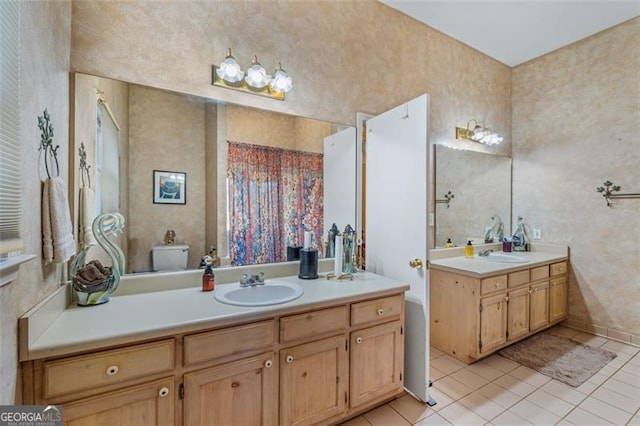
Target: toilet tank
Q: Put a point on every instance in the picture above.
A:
(169, 258)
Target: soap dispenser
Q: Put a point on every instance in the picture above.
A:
(468, 250)
(208, 278)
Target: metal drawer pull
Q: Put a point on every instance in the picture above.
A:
(164, 391)
(358, 339)
(289, 359)
(498, 285)
(380, 311)
(113, 370)
(268, 363)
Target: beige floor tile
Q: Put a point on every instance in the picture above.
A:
(509, 418)
(482, 406)
(530, 376)
(410, 408)
(619, 361)
(501, 363)
(435, 373)
(635, 360)
(385, 416)
(458, 414)
(550, 403)
(567, 332)
(441, 399)
(534, 413)
(485, 370)
(564, 392)
(435, 352)
(452, 387)
(358, 421)
(587, 387)
(631, 369)
(434, 419)
(619, 347)
(447, 364)
(623, 388)
(514, 385)
(469, 378)
(616, 399)
(606, 411)
(635, 421)
(582, 417)
(598, 379)
(608, 370)
(499, 395)
(627, 378)
(590, 339)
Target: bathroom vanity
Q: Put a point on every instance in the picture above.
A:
(178, 356)
(479, 306)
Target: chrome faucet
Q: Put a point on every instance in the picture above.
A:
(252, 280)
(485, 252)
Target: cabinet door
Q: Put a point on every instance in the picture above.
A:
(539, 312)
(376, 362)
(493, 322)
(147, 404)
(558, 299)
(238, 393)
(518, 315)
(313, 381)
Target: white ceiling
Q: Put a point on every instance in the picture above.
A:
(515, 31)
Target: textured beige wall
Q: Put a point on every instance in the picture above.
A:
(166, 130)
(576, 120)
(344, 56)
(44, 52)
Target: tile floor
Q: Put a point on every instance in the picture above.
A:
(497, 391)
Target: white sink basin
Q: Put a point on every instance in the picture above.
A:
(270, 293)
(503, 258)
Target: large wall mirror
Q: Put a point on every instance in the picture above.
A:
(227, 155)
(471, 188)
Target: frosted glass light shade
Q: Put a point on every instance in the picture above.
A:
(281, 82)
(229, 70)
(256, 75)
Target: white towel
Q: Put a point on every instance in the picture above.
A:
(86, 215)
(57, 236)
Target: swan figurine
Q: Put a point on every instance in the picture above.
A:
(98, 292)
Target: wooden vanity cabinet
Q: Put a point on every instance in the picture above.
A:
(243, 392)
(558, 294)
(474, 317)
(319, 366)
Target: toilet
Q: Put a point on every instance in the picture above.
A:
(169, 258)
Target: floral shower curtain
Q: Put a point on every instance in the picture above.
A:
(274, 196)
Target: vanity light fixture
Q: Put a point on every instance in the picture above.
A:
(229, 74)
(480, 133)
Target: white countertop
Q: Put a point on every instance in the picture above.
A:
(134, 317)
(480, 268)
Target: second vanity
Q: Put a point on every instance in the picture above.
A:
(478, 306)
(178, 356)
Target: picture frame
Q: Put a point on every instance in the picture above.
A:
(169, 187)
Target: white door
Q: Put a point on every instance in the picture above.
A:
(396, 221)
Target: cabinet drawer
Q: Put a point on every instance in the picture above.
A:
(518, 278)
(105, 368)
(539, 273)
(489, 285)
(377, 309)
(218, 344)
(313, 323)
(559, 268)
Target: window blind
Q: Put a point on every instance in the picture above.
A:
(10, 183)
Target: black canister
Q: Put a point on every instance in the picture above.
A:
(308, 264)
